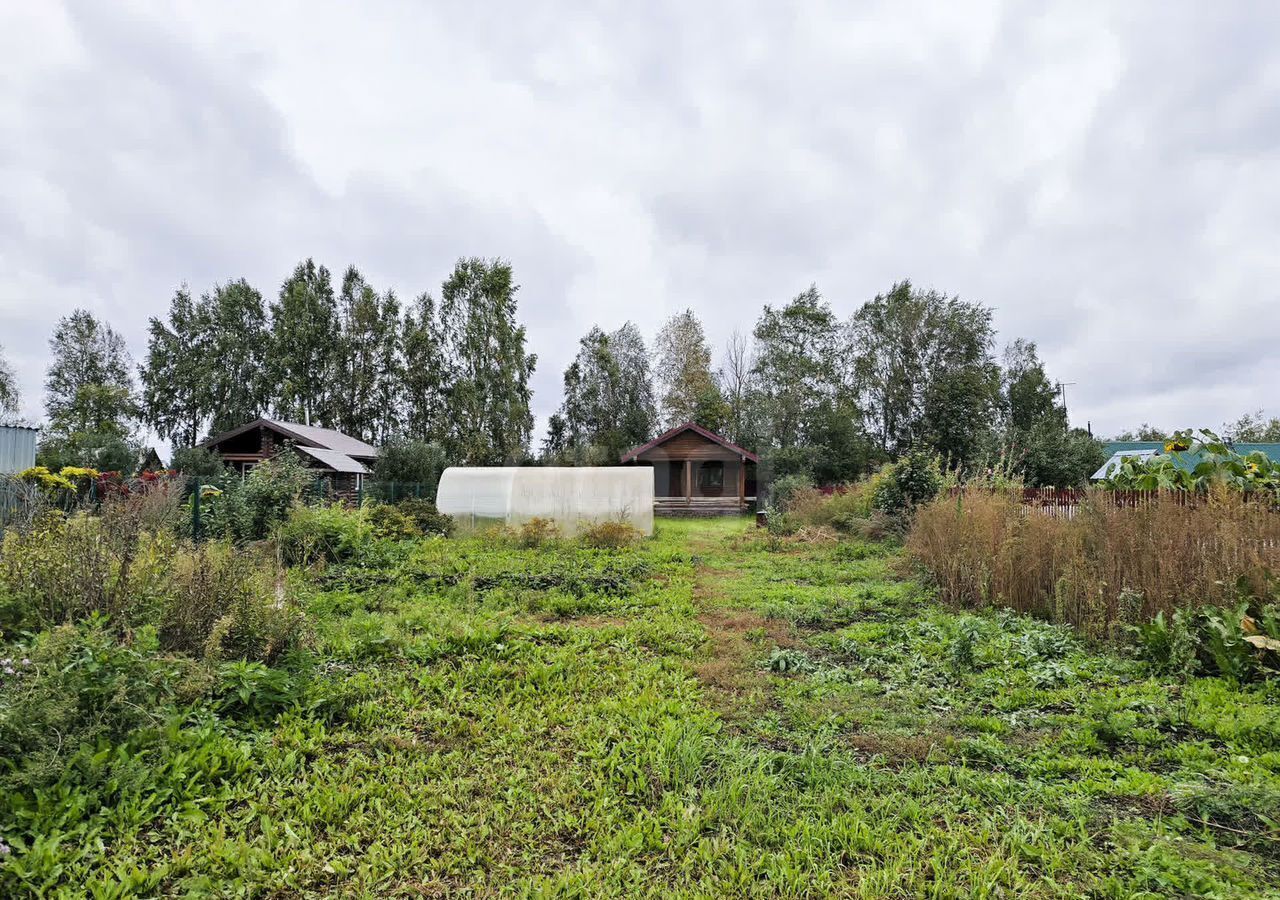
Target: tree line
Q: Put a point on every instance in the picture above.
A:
(814, 394)
(826, 398)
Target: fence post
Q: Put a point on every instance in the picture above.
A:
(195, 513)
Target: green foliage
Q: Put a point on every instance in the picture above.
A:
(608, 403)
(252, 690)
(328, 532)
(682, 365)
(391, 522)
(914, 479)
(925, 371)
(89, 383)
(485, 418)
(425, 515)
(198, 462)
(10, 398)
(106, 451)
(1196, 461)
(270, 491)
(786, 489)
(75, 686)
(410, 461)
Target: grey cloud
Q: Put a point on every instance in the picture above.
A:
(1106, 176)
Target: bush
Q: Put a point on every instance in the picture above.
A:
(428, 519)
(785, 490)
(323, 533)
(391, 522)
(75, 685)
(65, 569)
(914, 479)
(611, 535)
(270, 491)
(198, 462)
(409, 462)
(536, 532)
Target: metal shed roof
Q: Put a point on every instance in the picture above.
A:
(339, 462)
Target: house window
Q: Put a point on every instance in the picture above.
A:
(711, 475)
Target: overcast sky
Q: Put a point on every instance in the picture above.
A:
(1105, 175)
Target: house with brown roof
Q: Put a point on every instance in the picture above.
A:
(696, 472)
(341, 460)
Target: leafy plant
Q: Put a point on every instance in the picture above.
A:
(425, 515)
(611, 535)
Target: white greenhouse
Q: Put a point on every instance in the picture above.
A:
(574, 497)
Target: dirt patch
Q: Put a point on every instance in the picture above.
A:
(727, 664)
(899, 749)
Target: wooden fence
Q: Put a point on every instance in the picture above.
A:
(1064, 503)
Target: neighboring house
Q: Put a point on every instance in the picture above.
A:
(17, 448)
(341, 460)
(697, 472)
(1187, 459)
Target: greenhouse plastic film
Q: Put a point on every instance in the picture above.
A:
(574, 497)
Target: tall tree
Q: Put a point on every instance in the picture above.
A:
(369, 365)
(683, 366)
(488, 420)
(89, 383)
(737, 385)
(10, 399)
(204, 367)
(1029, 395)
(608, 398)
(426, 375)
(175, 376)
(795, 365)
(925, 371)
(304, 332)
(236, 349)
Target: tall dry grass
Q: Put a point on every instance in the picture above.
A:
(1108, 566)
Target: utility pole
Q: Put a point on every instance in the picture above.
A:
(1062, 389)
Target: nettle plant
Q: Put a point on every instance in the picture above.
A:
(1214, 462)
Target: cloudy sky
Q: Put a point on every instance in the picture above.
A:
(1105, 175)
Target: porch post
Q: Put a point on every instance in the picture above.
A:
(742, 485)
(688, 481)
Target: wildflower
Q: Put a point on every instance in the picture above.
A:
(4, 850)
(25, 661)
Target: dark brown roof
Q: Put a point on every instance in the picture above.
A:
(305, 435)
(697, 429)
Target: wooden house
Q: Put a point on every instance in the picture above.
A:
(697, 472)
(340, 460)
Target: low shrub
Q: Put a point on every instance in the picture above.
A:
(425, 515)
(75, 685)
(65, 569)
(322, 533)
(783, 492)
(914, 479)
(536, 532)
(611, 535)
(390, 523)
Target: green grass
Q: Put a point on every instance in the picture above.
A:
(568, 722)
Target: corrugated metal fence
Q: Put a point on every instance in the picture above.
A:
(17, 448)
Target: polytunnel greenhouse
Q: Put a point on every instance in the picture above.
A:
(575, 497)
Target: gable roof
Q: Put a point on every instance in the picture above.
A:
(696, 429)
(303, 435)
